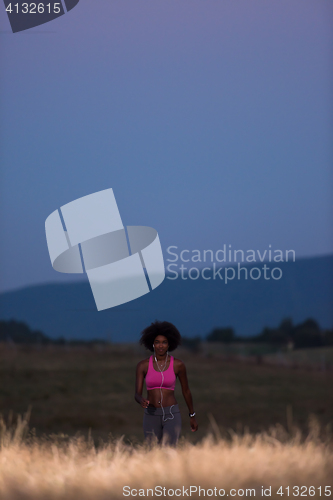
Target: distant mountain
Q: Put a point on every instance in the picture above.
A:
(194, 306)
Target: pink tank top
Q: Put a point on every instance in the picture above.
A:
(154, 378)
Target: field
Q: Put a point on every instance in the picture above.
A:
(268, 464)
(260, 426)
(72, 389)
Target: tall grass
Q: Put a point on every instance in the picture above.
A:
(62, 467)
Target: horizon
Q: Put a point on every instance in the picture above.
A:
(84, 280)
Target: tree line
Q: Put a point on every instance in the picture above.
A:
(20, 333)
(301, 335)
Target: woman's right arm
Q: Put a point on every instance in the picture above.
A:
(140, 375)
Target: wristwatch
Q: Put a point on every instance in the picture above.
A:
(191, 414)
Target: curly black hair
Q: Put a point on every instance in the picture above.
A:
(165, 328)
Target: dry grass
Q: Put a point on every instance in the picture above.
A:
(62, 467)
(73, 389)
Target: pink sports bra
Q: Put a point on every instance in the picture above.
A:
(154, 378)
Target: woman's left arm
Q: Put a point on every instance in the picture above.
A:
(186, 393)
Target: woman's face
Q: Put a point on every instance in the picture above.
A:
(161, 344)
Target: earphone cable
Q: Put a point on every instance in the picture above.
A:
(172, 416)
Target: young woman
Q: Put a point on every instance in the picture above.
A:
(162, 416)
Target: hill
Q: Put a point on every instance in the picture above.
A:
(195, 306)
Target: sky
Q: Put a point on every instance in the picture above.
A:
(211, 120)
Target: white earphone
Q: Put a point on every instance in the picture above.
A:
(166, 360)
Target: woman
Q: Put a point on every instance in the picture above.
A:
(162, 416)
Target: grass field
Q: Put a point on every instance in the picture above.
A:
(58, 468)
(73, 389)
(261, 427)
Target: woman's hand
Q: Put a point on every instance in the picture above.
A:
(193, 424)
(144, 403)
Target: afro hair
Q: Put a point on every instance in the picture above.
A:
(165, 328)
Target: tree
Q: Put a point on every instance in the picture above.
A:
(18, 331)
(308, 334)
(191, 343)
(221, 335)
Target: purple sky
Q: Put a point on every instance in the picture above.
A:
(211, 120)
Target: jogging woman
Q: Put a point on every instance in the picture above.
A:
(162, 416)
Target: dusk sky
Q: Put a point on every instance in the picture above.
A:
(211, 120)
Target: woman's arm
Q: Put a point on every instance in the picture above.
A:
(186, 393)
(140, 375)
